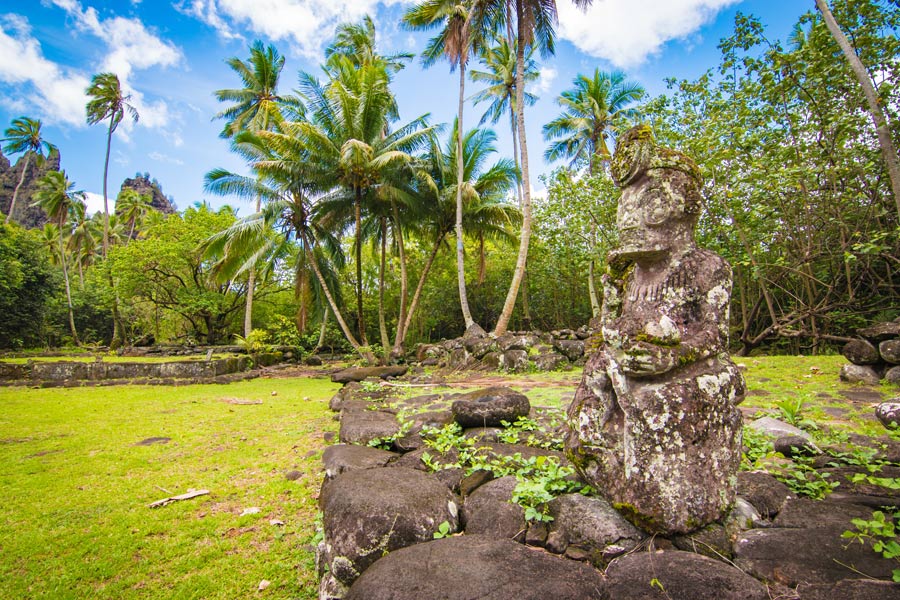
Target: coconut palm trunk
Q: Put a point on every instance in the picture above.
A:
(414, 303)
(877, 115)
(525, 238)
(460, 248)
(382, 324)
(12, 203)
(62, 260)
(404, 281)
(360, 320)
(322, 330)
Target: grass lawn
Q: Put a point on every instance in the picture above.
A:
(74, 489)
(74, 486)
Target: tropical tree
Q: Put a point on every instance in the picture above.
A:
(108, 102)
(24, 135)
(255, 106)
(132, 207)
(453, 42)
(535, 20)
(56, 195)
(82, 245)
(873, 101)
(593, 111)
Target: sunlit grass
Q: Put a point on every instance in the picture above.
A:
(75, 488)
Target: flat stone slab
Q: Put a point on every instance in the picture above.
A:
(489, 510)
(804, 556)
(363, 426)
(361, 373)
(816, 514)
(473, 567)
(351, 457)
(764, 492)
(679, 576)
(488, 407)
(851, 589)
(592, 526)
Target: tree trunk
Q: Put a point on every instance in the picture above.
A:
(322, 330)
(364, 352)
(12, 203)
(881, 126)
(360, 320)
(382, 325)
(525, 237)
(105, 197)
(404, 276)
(414, 303)
(62, 259)
(251, 285)
(460, 254)
(592, 291)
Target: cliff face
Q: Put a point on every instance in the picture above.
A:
(144, 186)
(25, 214)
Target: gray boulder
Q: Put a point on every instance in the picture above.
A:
(363, 426)
(360, 373)
(592, 526)
(851, 589)
(892, 375)
(674, 575)
(350, 457)
(764, 492)
(796, 445)
(889, 413)
(571, 349)
(860, 352)
(793, 557)
(514, 360)
(881, 331)
(489, 510)
(476, 566)
(859, 374)
(890, 351)
(488, 407)
(550, 361)
(816, 514)
(371, 512)
(774, 428)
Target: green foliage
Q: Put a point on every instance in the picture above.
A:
(443, 530)
(881, 533)
(255, 342)
(27, 284)
(806, 481)
(791, 411)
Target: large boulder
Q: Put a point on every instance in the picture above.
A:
(550, 361)
(364, 426)
(350, 457)
(361, 373)
(489, 510)
(476, 566)
(860, 352)
(764, 492)
(590, 528)
(514, 360)
(773, 428)
(571, 349)
(488, 407)
(816, 514)
(368, 513)
(892, 375)
(890, 351)
(889, 413)
(881, 331)
(801, 556)
(859, 374)
(851, 589)
(674, 575)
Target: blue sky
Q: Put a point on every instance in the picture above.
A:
(171, 57)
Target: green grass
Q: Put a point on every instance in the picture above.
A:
(75, 490)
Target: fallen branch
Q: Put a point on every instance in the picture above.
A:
(187, 496)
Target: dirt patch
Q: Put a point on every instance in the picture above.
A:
(44, 453)
(153, 440)
(524, 384)
(865, 395)
(241, 401)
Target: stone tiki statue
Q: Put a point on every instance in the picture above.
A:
(654, 424)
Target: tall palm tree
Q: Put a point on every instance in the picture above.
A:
(255, 106)
(132, 207)
(108, 102)
(535, 20)
(594, 109)
(454, 42)
(24, 135)
(83, 239)
(485, 210)
(347, 140)
(55, 195)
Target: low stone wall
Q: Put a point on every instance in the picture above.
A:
(874, 354)
(63, 372)
(514, 351)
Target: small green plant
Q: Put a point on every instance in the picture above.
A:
(255, 342)
(791, 411)
(387, 442)
(370, 387)
(443, 531)
(757, 446)
(804, 480)
(881, 533)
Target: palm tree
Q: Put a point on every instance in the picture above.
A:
(256, 106)
(132, 207)
(454, 42)
(83, 239)
(55, 195)
(347, 140)
(485, 210)
(24, 135)
(534, 20)
(594, 109)
(108, 102)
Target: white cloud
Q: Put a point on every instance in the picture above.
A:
(94, 203)
(131, 46)
(626, 32)
(546, 77)
(61, 91)
(306, 24)
(160, 157)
